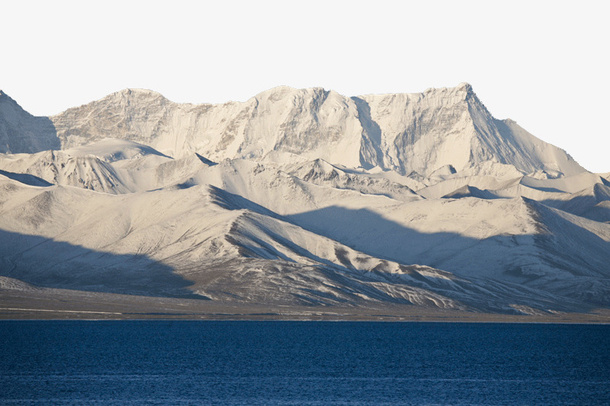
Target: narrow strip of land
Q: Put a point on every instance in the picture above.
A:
(20, 309)
(62, 304)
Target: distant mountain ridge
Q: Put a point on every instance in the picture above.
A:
(407, 133)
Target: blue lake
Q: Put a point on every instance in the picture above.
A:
(302, 363)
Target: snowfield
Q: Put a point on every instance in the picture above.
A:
(301, 197)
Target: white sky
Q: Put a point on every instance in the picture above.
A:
(544, 64)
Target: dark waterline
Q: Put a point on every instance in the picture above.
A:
(303, 363)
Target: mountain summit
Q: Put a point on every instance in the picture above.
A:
(407, 133)
(297, 202)
(426, 131)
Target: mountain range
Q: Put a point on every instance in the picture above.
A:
(301, 198)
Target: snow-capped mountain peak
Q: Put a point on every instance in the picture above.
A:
(418, 132)
(302, 197)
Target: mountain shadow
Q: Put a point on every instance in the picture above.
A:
(21, 132)
(594, 205)
(231, 201)
(583, 206)
(26, 178)
(372, 234)
(48, 263)
(370, 152)
(537, 261)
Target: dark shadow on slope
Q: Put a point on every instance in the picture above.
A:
(545, 189)
(24, 133)
(205, 160)
(594, 205)
(366, 231)
(26, 179)
(372, 140)
(370, 233)
(231, 201)
(471, 191)
(600, 212)
(572, 247)
(583, 206)
(48, 263)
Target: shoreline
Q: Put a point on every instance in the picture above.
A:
(63, 304)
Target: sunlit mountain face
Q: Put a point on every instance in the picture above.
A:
(301, 197)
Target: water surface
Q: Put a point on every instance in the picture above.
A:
(302, 363)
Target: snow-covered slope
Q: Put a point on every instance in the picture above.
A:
(427, 131)
(304, 197)
(321, 172)
(110, 166)
(63, 168)
(205, 241)
(406, 133)
(592, 202)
